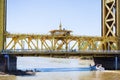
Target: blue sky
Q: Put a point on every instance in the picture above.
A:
(83, 17)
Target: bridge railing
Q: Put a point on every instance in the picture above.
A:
(61, 51)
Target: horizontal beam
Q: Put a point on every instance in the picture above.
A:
(62, 53)
(108, 1)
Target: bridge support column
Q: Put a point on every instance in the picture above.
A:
(109, 63)
(8, 63)
(116, 63)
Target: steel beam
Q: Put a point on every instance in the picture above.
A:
(2, 23)
(118, 21)
(111, 21)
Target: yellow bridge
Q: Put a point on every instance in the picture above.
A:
(61, 41)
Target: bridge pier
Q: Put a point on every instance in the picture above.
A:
(110, 63)
(8, 63)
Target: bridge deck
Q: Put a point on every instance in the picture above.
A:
(61, 53)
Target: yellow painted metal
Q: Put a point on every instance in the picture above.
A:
(110, 21)
(118, 21)
(62, 40)
(50, 42)
(2, 23)
(108, 1)
(108, 18)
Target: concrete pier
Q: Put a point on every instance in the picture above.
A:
(8, 63)
(109, 63)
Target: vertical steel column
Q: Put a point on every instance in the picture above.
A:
(111, 21)
(118, 21)
(2, 23)
(108, 18)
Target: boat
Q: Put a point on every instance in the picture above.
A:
(97, 67)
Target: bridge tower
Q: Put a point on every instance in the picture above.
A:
(2, 23)
(110, 28)
(111, 22)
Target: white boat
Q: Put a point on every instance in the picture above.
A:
(99, 67)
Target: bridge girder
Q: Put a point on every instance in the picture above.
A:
(49, 42)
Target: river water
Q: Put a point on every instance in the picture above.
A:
(28, 63)
(74, 75)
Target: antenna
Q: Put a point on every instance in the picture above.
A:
(60, 26)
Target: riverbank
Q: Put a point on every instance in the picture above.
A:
(3, 73)
(18, 73)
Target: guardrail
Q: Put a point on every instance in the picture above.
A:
(62, 51)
